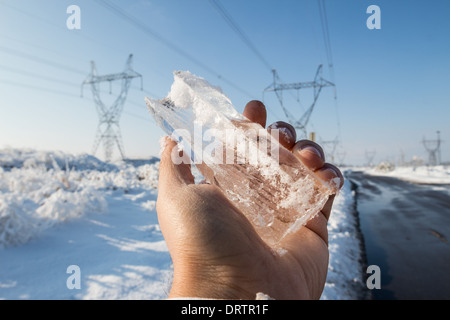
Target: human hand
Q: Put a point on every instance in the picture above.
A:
(215, 250)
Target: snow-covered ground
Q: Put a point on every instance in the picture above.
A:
(419, 174)
(59, 210)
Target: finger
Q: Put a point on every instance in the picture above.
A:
(318, 224)
(284, 133)
(309, 153)
(326, 210)
(255, 111)
(331, 175)
(174, 168)
(312, 155)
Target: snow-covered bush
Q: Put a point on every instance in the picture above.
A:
(41, 189)
(385, 167)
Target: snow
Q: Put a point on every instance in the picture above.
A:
(59, 210)
(419, 174)
(344, 279)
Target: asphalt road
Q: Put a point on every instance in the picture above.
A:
(406, 230)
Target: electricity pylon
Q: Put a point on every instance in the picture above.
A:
(108, 130)
(370, 155)
(434, 150)
(317, 85)
(341, 157)
(329, 148)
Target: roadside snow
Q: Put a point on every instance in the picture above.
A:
(58, 210)
(344, 279)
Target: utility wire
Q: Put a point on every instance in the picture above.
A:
(63, 93)
(52, 64)
(147, 30)
(33, 87)
(35, 75)
(63, 28)
(55, 80)
(233, 25)
(43, 77)
(329, 55)
(40, 47)
(309, 13)
(326, 36)
(118, 11)
(41, 60)
(241, 34)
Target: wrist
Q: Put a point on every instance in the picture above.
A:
(207, 283)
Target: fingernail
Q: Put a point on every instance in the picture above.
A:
(312, 150)
(334, 183)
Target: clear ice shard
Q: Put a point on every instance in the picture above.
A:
(274, 190)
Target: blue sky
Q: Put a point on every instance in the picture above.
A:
(392, 84)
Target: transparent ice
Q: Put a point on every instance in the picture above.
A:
(274, 190)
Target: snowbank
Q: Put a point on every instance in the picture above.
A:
(58, 210)
(346, 267)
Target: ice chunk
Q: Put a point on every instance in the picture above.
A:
(276, 192)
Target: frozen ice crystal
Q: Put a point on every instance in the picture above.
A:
(274, 190)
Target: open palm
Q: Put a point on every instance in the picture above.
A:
(215, 250)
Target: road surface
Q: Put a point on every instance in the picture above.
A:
(406, 230)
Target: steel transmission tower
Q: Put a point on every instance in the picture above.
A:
(317, 85)
(329, 148)
(434, 149)
(108, 130)
(370, 155)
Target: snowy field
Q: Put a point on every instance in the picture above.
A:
(58, 210)
(419, 174)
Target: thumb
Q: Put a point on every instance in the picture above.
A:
(174, 168)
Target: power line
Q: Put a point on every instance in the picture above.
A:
(234, 26)
(326, 35)
(329, 56)
(147, 30)
(40, 47)
(55, 65)
(121, 13)
(229, 20)
(64, 29)
(33, 87)
(35, 75)
(56, 80)
(71, 84)
(310, 14)
(67, 94)
(32, 15)
(52, 64)
(40, 60)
